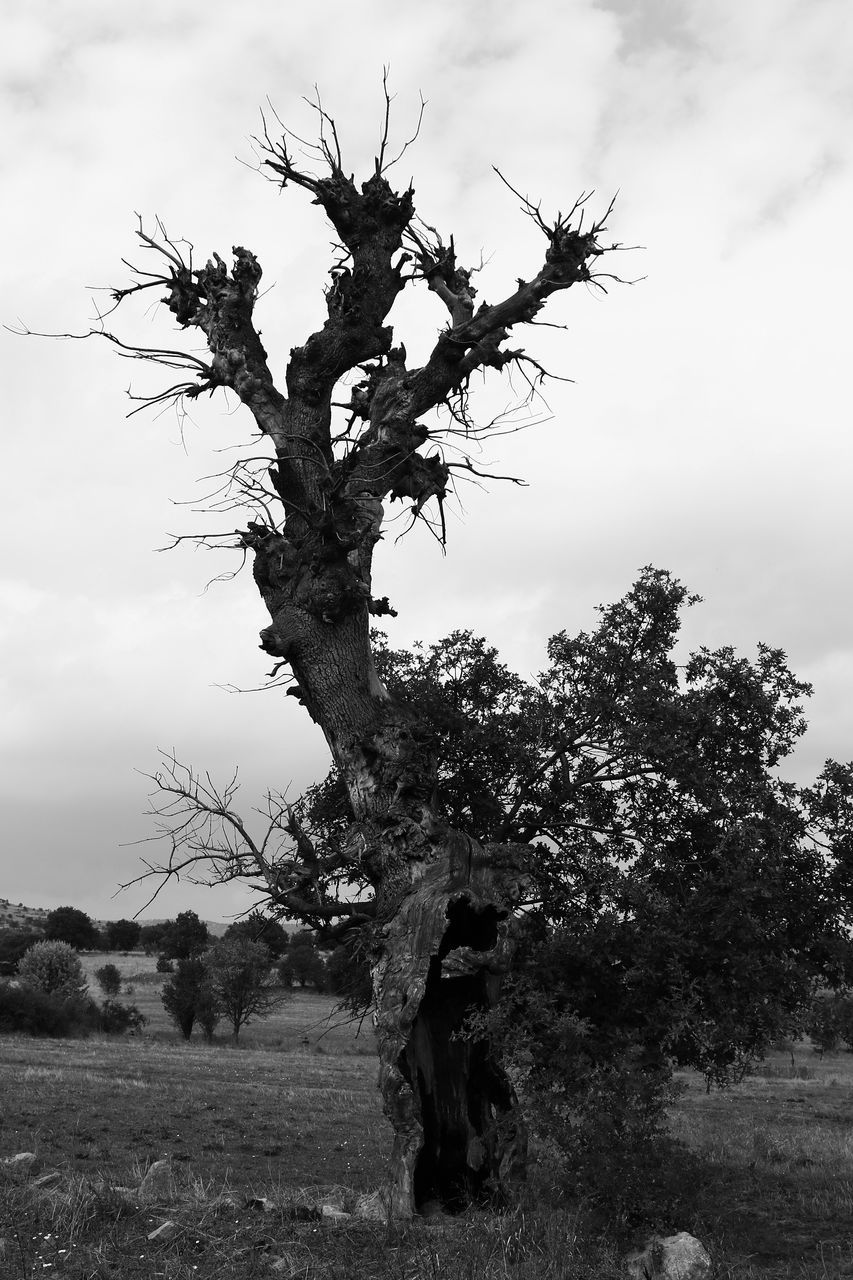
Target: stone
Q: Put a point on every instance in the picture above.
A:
(21, 1165)
(157, 1183)
(165, 1231)
(263, 1203)
(678, 1257)
(331, 1214)
(48, 1179)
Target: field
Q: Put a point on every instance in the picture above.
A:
(259, 1137)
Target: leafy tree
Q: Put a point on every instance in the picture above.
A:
(54, 968)
(118, 1018)
(122, 935)
(13, 944)
(182, 994)
(432, 864)
(258, 927)
(241, 981)
(69, 924)
(185, 936)
(109, 979)
(151, 936)
(305, 962)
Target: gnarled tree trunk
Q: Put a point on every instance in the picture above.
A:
(441, 901)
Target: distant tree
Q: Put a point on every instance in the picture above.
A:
(306, 963)
(122, 935)
(241, 981)
(258, 927)
(181, 995)
(13, 944)
(54, 968)
(184, 936)
(117, 1018)
(69, 924)
(208, 1011)
(109, 979)
(151, 936)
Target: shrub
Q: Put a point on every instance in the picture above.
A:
(164, 965)
(54, 968)
(117, 1018)
(181, 995)
(109, 979)
(13, 944)
(38, 1013)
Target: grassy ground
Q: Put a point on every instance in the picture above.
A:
(293, 1117)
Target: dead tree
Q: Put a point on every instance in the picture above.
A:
(436, 902)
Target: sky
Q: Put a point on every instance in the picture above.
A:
(706, 428)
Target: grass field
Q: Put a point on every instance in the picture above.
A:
(292, 1118)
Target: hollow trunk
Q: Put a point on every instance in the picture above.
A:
(441, 939)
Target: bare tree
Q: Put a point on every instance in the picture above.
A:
(355, 427)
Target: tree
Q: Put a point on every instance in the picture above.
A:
(434, 880)
(69, 924)
(13, 944)
(122, 935)
(240, 979)
(182, 994)
(258, 927)
(305, 962)
(183, 937)
(151, 936)
(109, 979)
(54, 968)
(440, 900)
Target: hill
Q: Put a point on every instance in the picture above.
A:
(16, 915)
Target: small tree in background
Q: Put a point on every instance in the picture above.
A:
(181, 995)
(122, 935)
(54, 968)
(13, 945)
(305, 962)
(108, 978)
(69, 924)
(258, 927)
(151, 936)
(240, 978)
(184, 936)
(208, 1012)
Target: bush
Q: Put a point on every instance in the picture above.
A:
(830, 1020)
(164, 965)
(182, 994)
(54, 968)
(38, 1013)
(109, 979)
(348, 975)
(13, 944)
(117, 1018)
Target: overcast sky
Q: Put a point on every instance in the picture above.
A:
(707, 429)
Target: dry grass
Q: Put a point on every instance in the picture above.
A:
(293, 1118)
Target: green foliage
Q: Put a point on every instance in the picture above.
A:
(258, 927)
(829, 1021)
(348, 973)
(13, 944)
(241, 981)
(303, 963)
(151, 936)
(122, 935)
(164, 965)
(117, 1018)
(184, 936)
(53, 968)
(108, 978)
(69, 924)
(183, 993)
(32, 1012)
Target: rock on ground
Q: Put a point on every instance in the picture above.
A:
(157, 1183)
(678, 1257)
